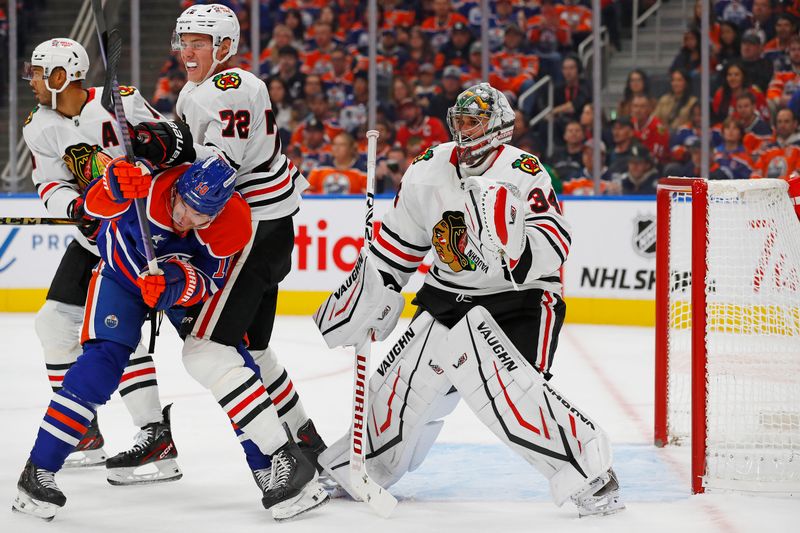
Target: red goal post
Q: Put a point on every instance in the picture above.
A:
(728, 378)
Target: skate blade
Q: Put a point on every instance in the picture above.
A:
(26, 505)
(614, 506)
(311, 497)
(86, 458)
(166, 470)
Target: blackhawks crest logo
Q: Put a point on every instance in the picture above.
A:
(449, 239)
(227, 80)
(76, 157)
(528, 164)
(126, 90)
(424, 156)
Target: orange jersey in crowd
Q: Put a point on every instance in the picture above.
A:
(329, 180)
(777, 162)
(783, 83)
(577, 17)
(508, 62)
(398, 18)
(431, 24)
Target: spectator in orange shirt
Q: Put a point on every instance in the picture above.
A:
(782, 155)
(342, 175)
(318, 60)
(419, 130)
(786, 82)
(785, 28)
(444, 18)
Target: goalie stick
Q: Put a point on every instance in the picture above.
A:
(111, 51)
(380, 499)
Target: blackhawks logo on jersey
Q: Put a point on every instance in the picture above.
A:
(227, 80)
(30, 115)
(76, 158)
(126, 90)
(424, 156)
(449, 239)
(528, 164)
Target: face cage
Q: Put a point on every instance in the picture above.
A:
(471, 148)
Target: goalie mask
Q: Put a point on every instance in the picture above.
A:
(480, 121)
(216, 20)
(58, 53)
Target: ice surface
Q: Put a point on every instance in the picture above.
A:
(468, 483)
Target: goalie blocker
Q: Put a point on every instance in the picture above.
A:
(430, 368)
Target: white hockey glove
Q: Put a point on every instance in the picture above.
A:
(361, 303)
(499, 214)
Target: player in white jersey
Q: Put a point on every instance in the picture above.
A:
(70, 135)
(229, 114)
(489, 313)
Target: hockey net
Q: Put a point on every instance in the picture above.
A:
(728, 331)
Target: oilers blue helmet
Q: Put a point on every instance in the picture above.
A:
(207, 185)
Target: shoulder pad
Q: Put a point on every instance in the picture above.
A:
(231, 230)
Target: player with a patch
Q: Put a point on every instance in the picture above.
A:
(71, 137)
(229, 113)
(488, 314)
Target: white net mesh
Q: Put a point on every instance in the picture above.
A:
(752, 334)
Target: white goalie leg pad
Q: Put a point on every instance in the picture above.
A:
(521, 408)
(237, 389)
(408, 393)
(139, 390)
(58, 327)
(281, 389)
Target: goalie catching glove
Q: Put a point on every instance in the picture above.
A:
(362, 303)
(497, 215)
(164, 144)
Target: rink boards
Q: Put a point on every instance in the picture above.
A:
(609, 277)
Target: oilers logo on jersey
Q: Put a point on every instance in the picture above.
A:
(527, 163)
(227, 80)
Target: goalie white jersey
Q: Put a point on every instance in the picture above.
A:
(60, 146)
(230, 114)
(429, 211)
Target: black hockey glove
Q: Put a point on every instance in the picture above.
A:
(89, 226)
(164, 144)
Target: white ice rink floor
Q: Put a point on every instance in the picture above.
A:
(468, 483)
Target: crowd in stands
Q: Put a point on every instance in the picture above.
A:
(28, 12)
(314, 62)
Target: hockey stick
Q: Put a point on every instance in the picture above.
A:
(381, 500)
(111, 50)
(41, 221)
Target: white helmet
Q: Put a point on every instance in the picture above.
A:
(216, 20)
(484, 102)
(58, 53)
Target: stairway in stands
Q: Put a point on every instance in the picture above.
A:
(675, 15)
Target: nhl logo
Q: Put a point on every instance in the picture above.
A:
(644, 235)
(112, 321)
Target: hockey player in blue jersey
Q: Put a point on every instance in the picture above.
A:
(197, 223)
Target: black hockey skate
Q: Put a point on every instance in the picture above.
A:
(154, 447)
(89, 451)
(600, 497)
(293, 488)
(312, 445)
(38, 495)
